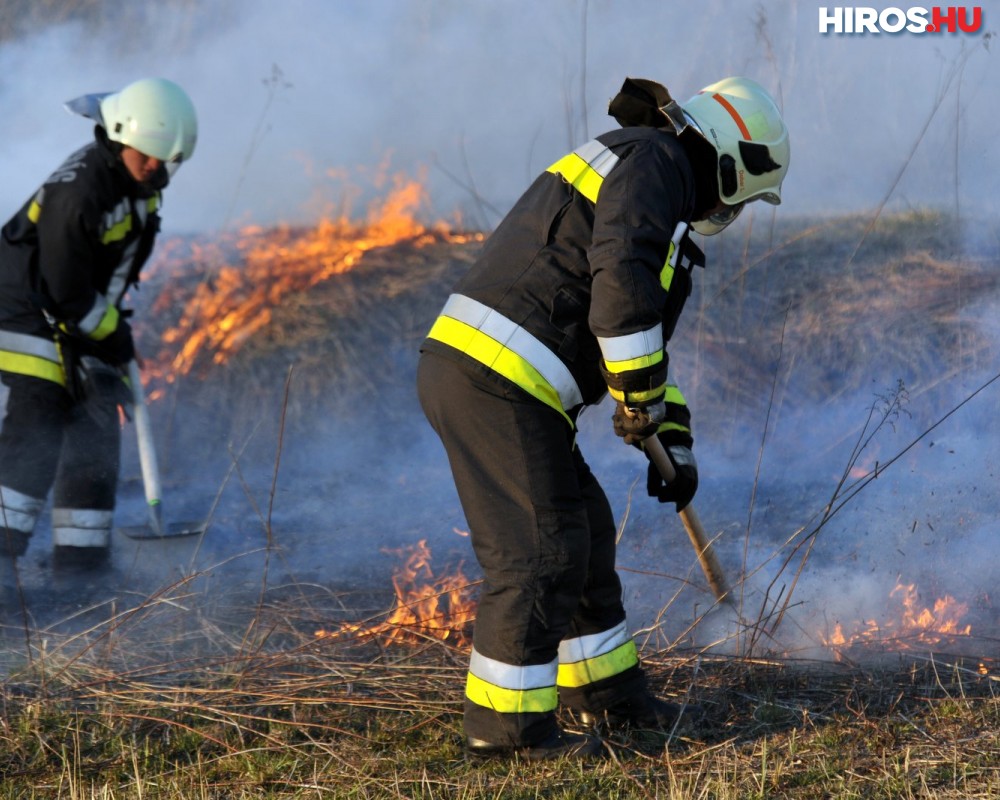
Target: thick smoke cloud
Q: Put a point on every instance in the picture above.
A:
(296, 96)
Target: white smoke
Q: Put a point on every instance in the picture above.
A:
(484, 95)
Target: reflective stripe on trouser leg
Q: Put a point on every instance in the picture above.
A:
(18, 515)
(510, 689)
(81, 527)
(598, 660)
(18, 511)
(519, 477)
(587, 659)
(83, 498)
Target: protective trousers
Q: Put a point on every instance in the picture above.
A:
(550, 621)
(49, 442)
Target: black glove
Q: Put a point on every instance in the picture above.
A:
(635, 424)
(117, 347)
(102, 390)
(682, 488)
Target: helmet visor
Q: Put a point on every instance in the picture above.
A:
(718, 221)
(174, 164)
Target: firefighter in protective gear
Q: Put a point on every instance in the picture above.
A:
(575, 295)
(67, 258)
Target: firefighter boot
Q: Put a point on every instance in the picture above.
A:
(645, 712)
(80, 559)
(558, 744)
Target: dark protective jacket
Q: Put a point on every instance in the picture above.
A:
(579, 288)
(67, 258)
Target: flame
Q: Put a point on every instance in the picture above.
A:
(425, 606)
(237, 302)
(915, 625)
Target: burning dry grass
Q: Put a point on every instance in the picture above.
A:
(173, 699)
(285, 714)
(345, 306)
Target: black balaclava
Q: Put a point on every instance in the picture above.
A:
(640, 103)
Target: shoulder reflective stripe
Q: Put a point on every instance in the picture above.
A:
(31, 355)
(510, 689)
(19, 511)
(586, 168)
(34, 211)
(673, 254)
(592, 658)
(633, 350)
(495, 341)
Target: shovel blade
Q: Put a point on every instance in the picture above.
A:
(172, 530)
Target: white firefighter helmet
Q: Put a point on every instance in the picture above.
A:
(740, 119)
(153, 115)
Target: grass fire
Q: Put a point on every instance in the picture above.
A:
(317, 635)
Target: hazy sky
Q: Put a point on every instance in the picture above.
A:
(302, 101)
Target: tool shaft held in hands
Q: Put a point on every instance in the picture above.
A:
(147, 450)
(695, 530)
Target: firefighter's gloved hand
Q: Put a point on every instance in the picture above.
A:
(682, 488)
(635, 424)
(102, 391)
(118, 347)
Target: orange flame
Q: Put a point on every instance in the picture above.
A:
(425, 606)
(916, 625)
(237, 303)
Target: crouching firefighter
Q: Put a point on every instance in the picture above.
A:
(67, 258)
(575, 295)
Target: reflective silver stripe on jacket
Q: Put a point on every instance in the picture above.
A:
(18, 511)
(81, 527)
(586, 168)
(631, 346)
(519, 341)
(93, 318)
(598, 156)
(119, 280)
(29, 345)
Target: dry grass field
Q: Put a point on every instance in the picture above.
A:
(349, 685)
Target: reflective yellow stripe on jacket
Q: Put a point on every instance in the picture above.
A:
(31, 355)
(508, 349)
(587, 659)
(510, 689)
(673, 256)
(586, 168)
